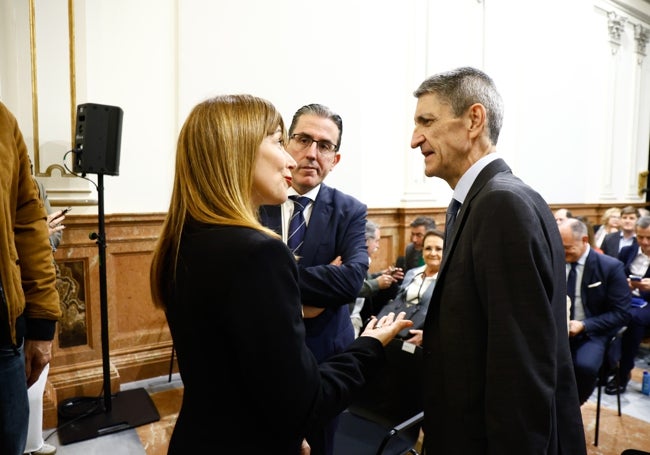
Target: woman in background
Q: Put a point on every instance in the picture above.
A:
(229, 288)
(609, 222)
(415, 291)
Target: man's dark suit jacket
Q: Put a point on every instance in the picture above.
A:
(498, 371)
(412, 258)
(336, 228)
(611, 243)
(244, 310)
(605, 294)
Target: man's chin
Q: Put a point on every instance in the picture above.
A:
(306, 180)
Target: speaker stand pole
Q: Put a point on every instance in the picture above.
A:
(128, 408)
(103, 294)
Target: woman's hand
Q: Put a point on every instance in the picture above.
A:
(387, 327)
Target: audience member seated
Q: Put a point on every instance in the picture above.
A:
(561, 215)
(415, 291)
(364, 307)
(590, 233)
(614, 242)
(609, 222)
(636, 260)
(413, 255)
(600, 298)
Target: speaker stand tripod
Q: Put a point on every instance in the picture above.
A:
(126, 409)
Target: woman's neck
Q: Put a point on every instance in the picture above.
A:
(429, 273)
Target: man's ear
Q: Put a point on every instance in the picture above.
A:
(336, 160)
(477, 119)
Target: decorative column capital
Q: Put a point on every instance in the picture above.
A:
(615, 26)
(641, 36)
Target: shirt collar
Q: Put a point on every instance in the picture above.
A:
(466, 181)
(311, 194)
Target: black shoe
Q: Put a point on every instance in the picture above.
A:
(611, 389)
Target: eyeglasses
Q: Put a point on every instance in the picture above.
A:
(304, 141)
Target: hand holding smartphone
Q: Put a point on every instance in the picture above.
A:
(635, 278)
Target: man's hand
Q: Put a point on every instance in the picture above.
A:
(54, 221)
(416, 339)
(311, 311)
(576, 327)
(396, 272)
(385, 281)
(38, 353)
(642, 285)
(337, 261)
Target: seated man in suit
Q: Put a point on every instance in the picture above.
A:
(614, 242)
(600, 301)
(636, 260)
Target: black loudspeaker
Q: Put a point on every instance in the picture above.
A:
(98, 134)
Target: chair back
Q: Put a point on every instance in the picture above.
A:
(385, 417)
(395, 394)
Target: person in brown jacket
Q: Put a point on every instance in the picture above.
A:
(29, 302)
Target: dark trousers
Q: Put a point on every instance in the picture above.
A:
(632, 337)
(588, 353)
(14, 405)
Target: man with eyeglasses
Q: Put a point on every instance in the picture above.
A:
(332, 258)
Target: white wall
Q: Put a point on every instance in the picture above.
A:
(577, 122)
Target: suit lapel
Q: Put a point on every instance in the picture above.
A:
(495, 167)
(587, 278)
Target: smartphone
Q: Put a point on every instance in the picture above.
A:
(66, 210)
(635, 278)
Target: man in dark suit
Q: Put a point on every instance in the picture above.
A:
(600, 303)
(636, 260)
(333, 258)
(614, 242)
(497, 366)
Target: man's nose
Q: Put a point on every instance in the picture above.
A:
(312, 150)
(416, 139)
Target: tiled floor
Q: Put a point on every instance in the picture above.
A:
(631, 430)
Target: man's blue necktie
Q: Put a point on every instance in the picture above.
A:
(297, 225)
(571, 287)
(452, 211)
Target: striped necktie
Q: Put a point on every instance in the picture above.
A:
(297, 224)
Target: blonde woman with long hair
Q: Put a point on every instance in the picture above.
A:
(229, 289)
